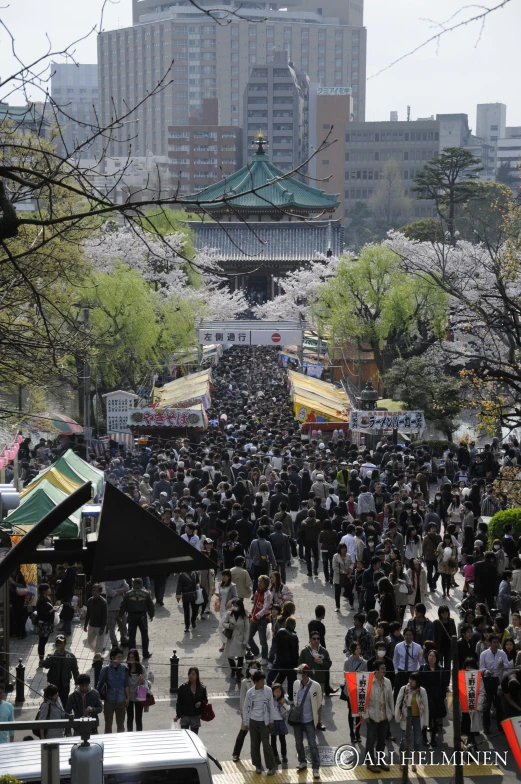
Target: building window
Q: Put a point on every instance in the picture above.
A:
(339, 36)
(322, 61)
(321, 74)
(235, 57)
(235, 44)
(235, 70)
(252, 31)
(492, 127)
(253, 58)
(304, 48)
(270, 32)
(305, 35)
(322, 49)
(338, 62)
(304, 62)
(252, 45)
(321, 35)
(235, 109)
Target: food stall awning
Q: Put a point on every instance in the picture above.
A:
(184, 392)
(40, 501)
(194, 416)
(56, 478)
(317, 401)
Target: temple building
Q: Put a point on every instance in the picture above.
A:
(264, 224)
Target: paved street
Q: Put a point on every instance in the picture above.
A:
(201, 646)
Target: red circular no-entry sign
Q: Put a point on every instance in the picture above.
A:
(275, 337)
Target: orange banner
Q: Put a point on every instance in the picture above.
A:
(469, 682)
(512, 728)
(359, 686)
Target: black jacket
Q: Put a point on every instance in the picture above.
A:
(466, 650)
(275, 500)
(186, 700)
(442, 637)
(432, 682)
(485, 579)
(280, 546)
(77, 703)
(287, 647)
(389, 666)
(387, 608)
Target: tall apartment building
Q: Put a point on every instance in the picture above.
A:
(276, 103)
(203, 151)
(491, 120)
(74, 88)
(209, 60)
(330, 109)
(369, 145)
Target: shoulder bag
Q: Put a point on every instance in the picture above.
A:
(295, 714)
(207, 712)
(36, 730)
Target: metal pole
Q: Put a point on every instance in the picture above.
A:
(86, 375)
(407, 746)
(20, 682)
(50, 763)
(174, 672)
(456, 713)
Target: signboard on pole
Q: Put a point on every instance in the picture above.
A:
(167, 417)
(369, 421)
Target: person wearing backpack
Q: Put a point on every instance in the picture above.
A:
(51, 708)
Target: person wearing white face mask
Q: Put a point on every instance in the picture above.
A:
(380, 654)
(247, 683)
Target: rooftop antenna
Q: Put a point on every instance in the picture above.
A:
(408, 114)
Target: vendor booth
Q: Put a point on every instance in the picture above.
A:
(317, 402)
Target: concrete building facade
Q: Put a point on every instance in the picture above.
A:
(208, 60)
(276, 103)
(74, 89)
(203, 151)
(491, 120)
(369, 145)
(330, 111)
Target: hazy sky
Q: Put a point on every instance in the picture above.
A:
(452, 76)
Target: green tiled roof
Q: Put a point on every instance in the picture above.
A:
(261, 186)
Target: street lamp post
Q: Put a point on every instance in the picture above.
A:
(368, 397)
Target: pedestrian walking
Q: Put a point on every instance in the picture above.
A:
(259, 718)
(191, 699)
(113, 687)
(139, 607)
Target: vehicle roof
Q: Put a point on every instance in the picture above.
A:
(155, 749)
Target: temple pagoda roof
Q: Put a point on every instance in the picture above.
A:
(261, 187)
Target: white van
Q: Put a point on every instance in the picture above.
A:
(157, 757)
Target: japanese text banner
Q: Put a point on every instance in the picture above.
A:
(406, 421)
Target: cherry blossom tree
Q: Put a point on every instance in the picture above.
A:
(301, 290)
(483, 284)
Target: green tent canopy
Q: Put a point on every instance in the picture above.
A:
(39, 502)
(72, 466)
(75, 469)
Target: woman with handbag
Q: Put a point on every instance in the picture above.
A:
(387, 601)
(447, 554)
(187, 585)
(226, 593)
(342, 579)
(191, 699)
(236, 627)
(45, 619)
(444, 631)
(139, 684)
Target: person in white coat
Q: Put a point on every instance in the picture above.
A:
(414, 696)
(237, 623)
(307, 695)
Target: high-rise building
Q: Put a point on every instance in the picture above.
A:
(275, 103)
(508, 151)
(203, 59)
(330, 109)
(74, 89)
(491, 120)
(203, 151)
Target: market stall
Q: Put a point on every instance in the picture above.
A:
(38, 502)
(317, 402)
(185, 392)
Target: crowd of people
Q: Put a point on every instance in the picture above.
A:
(390, 529)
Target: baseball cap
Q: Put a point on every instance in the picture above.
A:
(303, 668)
(60, 638)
